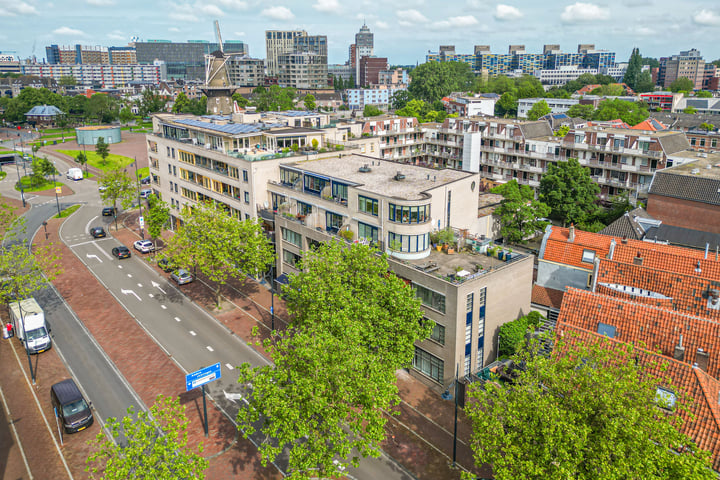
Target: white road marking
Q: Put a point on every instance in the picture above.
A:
(157, 285)
(130, 292)
(103, 251)
(120, 267)
(139, 285)
(93, 256)
(163, 307)
(233, 396)
(192, 333)
(129, 275)
(210, 348)
(230, 366)
(151, 295)
(177, 319)
(87, 227)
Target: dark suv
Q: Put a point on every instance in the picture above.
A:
(70, 406)
(109, 212)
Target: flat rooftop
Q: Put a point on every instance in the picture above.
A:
(448, 266)
(381, 179)
(705, 165)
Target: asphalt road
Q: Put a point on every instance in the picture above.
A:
(187, 333)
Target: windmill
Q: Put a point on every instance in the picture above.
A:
(217, 87)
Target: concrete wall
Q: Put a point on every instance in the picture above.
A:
(89, 135)
(684, 213)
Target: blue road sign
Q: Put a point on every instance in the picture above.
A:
(202, 376)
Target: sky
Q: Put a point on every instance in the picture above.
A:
(405, 30)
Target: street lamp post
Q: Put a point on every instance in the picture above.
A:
(446, 395)
(22, 190)
(57, 200)
(25, 342)
(137, 183)
(44, 224)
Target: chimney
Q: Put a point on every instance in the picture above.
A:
(697, 268)
(624, 240)
(571, 233)
(679, 351)
(612, 249)
(701, 358)
(638, 259)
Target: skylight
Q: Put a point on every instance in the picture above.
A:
(607, 330)
(588, 256)
(665, 398)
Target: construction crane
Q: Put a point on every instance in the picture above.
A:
(218, 37)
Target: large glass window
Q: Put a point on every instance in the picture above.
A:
(406, 214)
(368, 205)
(291, 258)
(314, 184)
(430, 298)
(367, 232)
(333, 221)
(277, 200)
(288, 177)
(304, 208)
(438, 334)
(428, 364)
(291, 237)
(339, 191)
(408, 243)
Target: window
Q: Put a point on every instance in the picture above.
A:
(588, 256)
(174, 170)
(430, 298)
(407, 214)
(288, 177)
(368, 205)
(245, 176)
(304, 208)
(408, 243)
(367, 232)
(169, 169)
(292, 237)
(664, 398)
(247, 197)
(428, 364)
(314, 184)
(277, 200)
(607, 330)
(290, 258)
(438, 334)
(340, 191)
(333, 221)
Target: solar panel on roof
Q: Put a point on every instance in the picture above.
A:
(231, 128)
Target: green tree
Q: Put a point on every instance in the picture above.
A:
(629, 112)
(157, 215)
(511, 336)
(633, 70)
(708, 127)
(371, 111)
(540, 109)
(589, 412)
(126, 115)
(519, 212)
(274, 98)
(354, 325)
(151, 102)
(507, 105)
(41, 168)
(82, 160)
(25, 271)
(67, 81)
(690, 110)
(434, 80)
(155, 445)
(241, 101)
(570, 192)
(102, 149)
(682, 84)
(309, 102)
(644, 82)
(400, 99)
(103, 108)
(651, 62)
(62, 122)
(581, 111)
(703, 94)
(116, 186)
(182, 103)
(561, 131)
(219, 246)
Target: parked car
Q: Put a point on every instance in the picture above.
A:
(74, 174)
(146, 192)
(102, 188)
(166, 265)
(144, 246)
(145, 181)
(72, 409)
(121, 252)
(181, 276)
(108, 212)
(98, 232)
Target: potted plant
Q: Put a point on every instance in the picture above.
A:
(347, 235)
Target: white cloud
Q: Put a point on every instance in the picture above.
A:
(68, 31)
(101, 3)
(507, 13)
(116, 35)
(210, 10)
(584, 12)
(643, 31)
(278, 13)
(706, 17)
(410, 17)
(173, 29)
(455, 22)
(330, 6)
(183, 13)
(11, 9)
(239, 34)
(233, 4)
(380, 25)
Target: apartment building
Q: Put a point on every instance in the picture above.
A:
(688, 64)
(71, 55)
(370, 68)
(97, 75)
(278, 42)
(557, 105)
(380, 96)
(218, 159)
(400, 138)
(364, 46)
(471, 105)
(467, 294)
(297, 59)
(244, 71)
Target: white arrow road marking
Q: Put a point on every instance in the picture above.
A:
(233, 397)
(210, 348)
(157, 285)
(93, 256)
(229, 366)
(130, 292)
(192, 333)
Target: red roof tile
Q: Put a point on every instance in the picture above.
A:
(547, 296)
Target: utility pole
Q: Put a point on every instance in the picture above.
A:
(137, 183)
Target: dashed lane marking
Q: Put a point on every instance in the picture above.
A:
(210, 348)
(192, 333)
(177, 319)
(229, 366)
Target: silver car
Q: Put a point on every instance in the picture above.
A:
(181, 276)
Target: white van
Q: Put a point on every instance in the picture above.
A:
(75, 174)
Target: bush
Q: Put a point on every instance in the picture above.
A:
(339, 147)
(512, 334)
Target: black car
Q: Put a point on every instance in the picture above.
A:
(98, 232)
(70, 406)
(166, 265)
(121, 252)
(108, 212)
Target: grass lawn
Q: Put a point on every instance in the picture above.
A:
(3, 175)
(28, 187)
(67, 211)
(112, 162)
(143, 172)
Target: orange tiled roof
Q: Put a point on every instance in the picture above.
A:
(559, 249)
(547, 296)
(702, 421)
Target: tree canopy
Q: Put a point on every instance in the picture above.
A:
(155, 446)
(158, 215)
(634, 68)
(589, 412)
(354, 324)
(540, 109)
(519, 212)
(570, 192)
(274, 98)
(309, 102)
(630, 112)
(102, 149)
(432, 81)
(423, 111)
(682, 84)
(371, 111)
(116, 186)
(219, 246)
